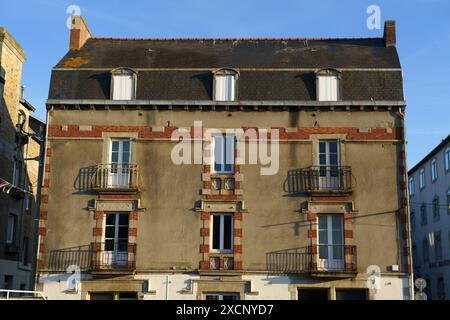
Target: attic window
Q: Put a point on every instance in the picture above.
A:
(123, 84)
(328, 82)
(225, 85)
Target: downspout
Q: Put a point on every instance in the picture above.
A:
(43, 134)
(409, 240)
(167, 287)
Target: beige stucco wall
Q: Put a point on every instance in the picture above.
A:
(168, 227)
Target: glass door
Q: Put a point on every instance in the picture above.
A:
(329, 177)
(331, 242)
(116, 240)
(120, 159)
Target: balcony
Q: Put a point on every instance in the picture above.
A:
(110, 257)
(116, 178)
(320, 180)
(315, 260)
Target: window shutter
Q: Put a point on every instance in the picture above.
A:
(123, 87)
(224, 88)
(328, 88)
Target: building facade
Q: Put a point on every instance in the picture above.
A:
(429, 196)
(225, 169)
(20, 143)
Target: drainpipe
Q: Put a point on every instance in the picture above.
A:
(409, 241)
(167, 287)
(36, 214)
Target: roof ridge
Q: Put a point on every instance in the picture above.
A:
(231, 39)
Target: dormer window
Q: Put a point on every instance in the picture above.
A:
(225, 85)
(123, 84)
(328, 83)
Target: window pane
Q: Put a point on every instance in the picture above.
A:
(338, 252)
(216, 232)
(322, 222)
(336, 222)
(218, 153)
(228, 230)
(115, 146)
(109, 232)
(126, 145)
(109, 245)
(111, 219)
(333, 159)
(114, 157)
(322, 159)
(323, 236)
(123, 232)
(322, 147)
(333, 147)
(229, 153)
(122, 245)
(323, 251)
(123, 219)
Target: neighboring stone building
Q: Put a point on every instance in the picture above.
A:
(19, 141)
(121, 218)
(429, 199)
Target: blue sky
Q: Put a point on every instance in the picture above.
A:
(423, 39)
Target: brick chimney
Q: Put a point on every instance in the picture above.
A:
(79, 32)
(389, 33)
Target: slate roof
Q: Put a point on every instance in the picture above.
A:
(270, 69)
(235, 53)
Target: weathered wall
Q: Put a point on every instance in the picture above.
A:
(169, 192)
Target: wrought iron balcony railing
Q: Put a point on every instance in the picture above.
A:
(320, 179)
(315, 259)
(115, 177)
(94, 257)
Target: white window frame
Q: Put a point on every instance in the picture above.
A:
(221, 233)
(447, 159)
(123, 72)
(120, 178)
(411, 186)
(331, 262)
(434, 172)
(225, 137)
(230, 77)
(422, 179)
(117, 256)
(11, 228)
(324, 78)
